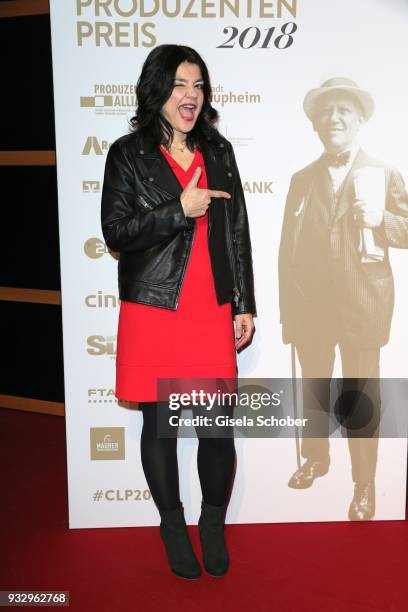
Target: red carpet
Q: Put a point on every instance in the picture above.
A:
(330, 567)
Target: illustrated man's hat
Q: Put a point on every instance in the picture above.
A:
(340, 85)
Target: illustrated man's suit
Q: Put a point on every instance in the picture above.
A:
(329, 296)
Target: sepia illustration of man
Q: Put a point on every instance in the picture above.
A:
(343, 212)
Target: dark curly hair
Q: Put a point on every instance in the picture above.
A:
(154, 88)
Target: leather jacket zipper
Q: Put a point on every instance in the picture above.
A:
(238, 266)
(170, 196)
(235, 291)
(185, 266)
(144, 203)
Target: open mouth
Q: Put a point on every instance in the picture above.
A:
(187, 111)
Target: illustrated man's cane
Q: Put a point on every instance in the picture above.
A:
(295, 405)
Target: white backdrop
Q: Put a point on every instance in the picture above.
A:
(98, 50)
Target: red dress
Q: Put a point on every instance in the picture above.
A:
(194, 341)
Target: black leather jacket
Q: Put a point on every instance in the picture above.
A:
(143, 219)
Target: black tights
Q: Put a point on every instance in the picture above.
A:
(215, 462)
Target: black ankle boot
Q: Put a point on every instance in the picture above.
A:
(180, 554)
(211, 526)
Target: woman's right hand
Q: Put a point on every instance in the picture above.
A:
(194, 200)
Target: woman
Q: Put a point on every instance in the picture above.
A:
(173, 207)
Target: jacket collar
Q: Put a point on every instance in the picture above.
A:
(159, 173)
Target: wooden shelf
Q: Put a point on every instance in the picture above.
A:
(32, 405)
(36, 296)
(20, 8)
(27, 158)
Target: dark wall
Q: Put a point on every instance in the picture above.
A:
(31, 333)
(27, 105)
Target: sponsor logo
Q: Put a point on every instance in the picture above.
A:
(110, 99)
(95, 248)
(107, 443)
(101, 300)
(101, 396)
(221, 97)
(101, 345)
(254, 187)
(94, 145)
(91, 186)
(237, 140)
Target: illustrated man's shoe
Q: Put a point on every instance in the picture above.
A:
(180, 553)
(304, 477)
(362, 507)
(211, 528)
